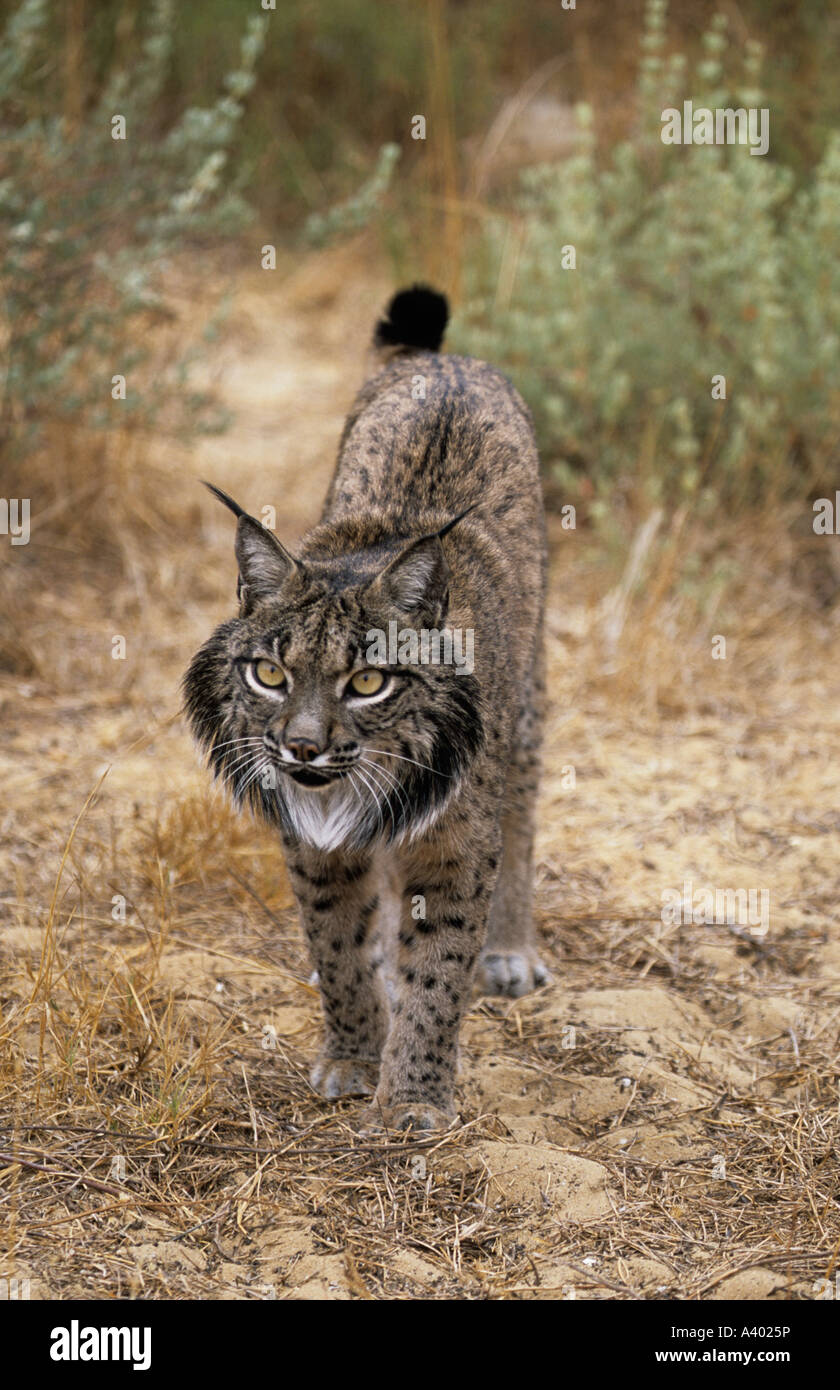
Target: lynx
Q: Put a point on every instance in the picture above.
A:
(402, 790)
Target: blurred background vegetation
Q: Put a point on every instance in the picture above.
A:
(337, 77)
(295, 124)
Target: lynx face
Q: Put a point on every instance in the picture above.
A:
(299, 723)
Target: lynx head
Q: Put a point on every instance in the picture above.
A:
(334, 742)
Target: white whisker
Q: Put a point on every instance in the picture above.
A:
(383, 789)
(227, 743)
(241, 761)
(254, 774)
(384, 754)
(392, 784)
(373, 791)
(356, 791)
(243, 767)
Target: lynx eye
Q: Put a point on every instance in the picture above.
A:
(366, 682)
(266, 673)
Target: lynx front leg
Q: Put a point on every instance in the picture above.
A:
(442, 929)
(338, 899)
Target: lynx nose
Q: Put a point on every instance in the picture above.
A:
(303, 749)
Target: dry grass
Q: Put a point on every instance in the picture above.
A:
(158, 1136)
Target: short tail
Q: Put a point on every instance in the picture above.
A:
(415, 318)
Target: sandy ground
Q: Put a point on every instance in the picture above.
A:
(659, 1122)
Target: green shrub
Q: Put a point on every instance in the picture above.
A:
(87, 222)
(357, 211)
(691, 261)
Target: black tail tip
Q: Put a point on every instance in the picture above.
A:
(415, 318)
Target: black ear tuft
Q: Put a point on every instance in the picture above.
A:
(223, 497)
(444, 530)
(416, 317)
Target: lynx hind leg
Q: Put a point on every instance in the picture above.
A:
(510, 963)
(384, 950)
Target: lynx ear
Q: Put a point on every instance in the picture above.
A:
(416, 581)
(264, 564)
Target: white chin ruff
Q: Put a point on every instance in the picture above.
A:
(328, 818)
(346, 815)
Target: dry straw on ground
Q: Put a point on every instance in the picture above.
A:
(660, 1122)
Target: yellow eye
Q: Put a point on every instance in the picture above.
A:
(367, 682)
(268, 674)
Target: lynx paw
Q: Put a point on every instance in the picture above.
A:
(415, 1115)
(510, 972)
(346, 1076)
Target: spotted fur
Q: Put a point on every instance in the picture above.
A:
(407, 817)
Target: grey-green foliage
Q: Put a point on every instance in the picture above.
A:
(356, 212)
(87, 222)
(691, 261)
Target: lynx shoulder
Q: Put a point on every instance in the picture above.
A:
(377, 699)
